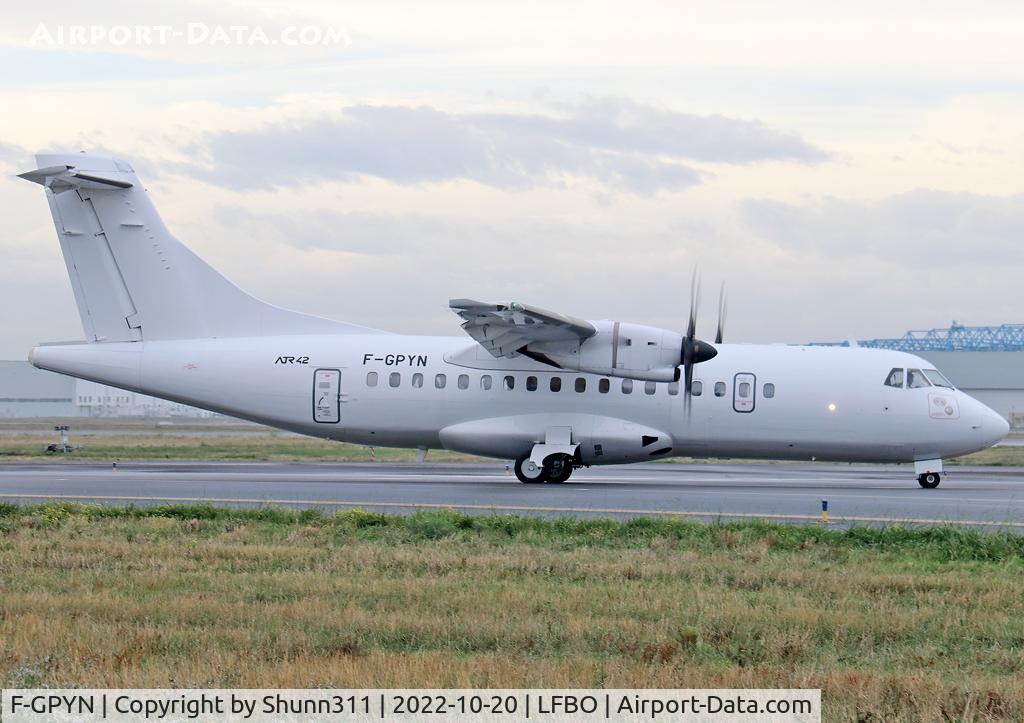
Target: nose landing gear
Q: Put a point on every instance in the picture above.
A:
(929, 472)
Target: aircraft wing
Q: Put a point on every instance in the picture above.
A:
(506, 329)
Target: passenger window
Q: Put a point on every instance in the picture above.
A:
(744, 390)
(531, 384)
(769, 390)
(485, 382)
(417, 380)
(581, 384)
(673, 388)
(895, 379)
(916, 379)
(509, 383)
(719, 389)
(696, 389)
(394, 379)
(463, 381)
(650, 387)
(440, 380)
(627, 386)
(556, 384)
(371, 379)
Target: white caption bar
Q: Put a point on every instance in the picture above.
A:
(41, 705)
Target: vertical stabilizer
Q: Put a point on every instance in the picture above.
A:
(132, 279)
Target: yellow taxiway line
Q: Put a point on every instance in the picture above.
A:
(519, 508)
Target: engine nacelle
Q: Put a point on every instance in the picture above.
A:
(618, 349)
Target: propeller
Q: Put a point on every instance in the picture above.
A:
(693, 350)
(722, 299)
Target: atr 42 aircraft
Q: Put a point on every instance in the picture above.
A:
(550, 391)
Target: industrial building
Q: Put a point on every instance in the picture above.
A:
(29, 392)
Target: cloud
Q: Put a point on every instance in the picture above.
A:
(614, 142)
(397, 270)
(12, 155)
(923, 228)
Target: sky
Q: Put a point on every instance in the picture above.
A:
(846, 169)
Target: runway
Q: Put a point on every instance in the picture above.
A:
(990, 497)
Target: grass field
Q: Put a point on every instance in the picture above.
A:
(210, 447)
(892, 624)
(284, 447)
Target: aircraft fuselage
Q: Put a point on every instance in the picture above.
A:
(447, 392)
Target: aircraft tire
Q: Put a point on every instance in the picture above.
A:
(563, 473)
(524, 468)
(929, 480)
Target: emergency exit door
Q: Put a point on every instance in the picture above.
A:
(327, 396)
(744, 389)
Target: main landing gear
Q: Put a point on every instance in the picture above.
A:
(929, 480)
(556, 468)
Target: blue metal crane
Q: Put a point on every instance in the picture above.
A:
(957, 337)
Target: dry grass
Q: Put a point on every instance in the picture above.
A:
(210, 447)
(892, 624)
(1008, 456)
(279, 446)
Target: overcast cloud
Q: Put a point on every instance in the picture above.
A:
(846, 169)
(922, 227)
(617, 142)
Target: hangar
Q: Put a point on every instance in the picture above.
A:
(987, 362)
(29, 392)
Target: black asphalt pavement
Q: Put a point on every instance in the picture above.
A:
(990, 497)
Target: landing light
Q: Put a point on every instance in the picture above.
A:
(832, 406)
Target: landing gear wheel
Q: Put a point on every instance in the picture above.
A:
(559, 468)
(929, 480)
(530, 473)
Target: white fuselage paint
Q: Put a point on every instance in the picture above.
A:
(829, 403)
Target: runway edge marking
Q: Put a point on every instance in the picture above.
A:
(515, 508)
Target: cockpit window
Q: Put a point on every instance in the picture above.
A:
(895, 379)
(936, 378)
(916, 379)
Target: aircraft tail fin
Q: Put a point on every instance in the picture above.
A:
(132, 279)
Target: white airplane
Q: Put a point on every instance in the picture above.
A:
(550, 391)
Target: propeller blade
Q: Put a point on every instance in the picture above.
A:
(721, 314)
(692, 350)
(688, 389)
(691, 326)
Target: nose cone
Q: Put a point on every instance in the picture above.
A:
(995, 426)
(985, 426)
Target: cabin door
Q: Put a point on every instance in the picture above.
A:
(744, 389)
(327, 396)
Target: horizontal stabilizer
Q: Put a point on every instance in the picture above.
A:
(63, 178)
